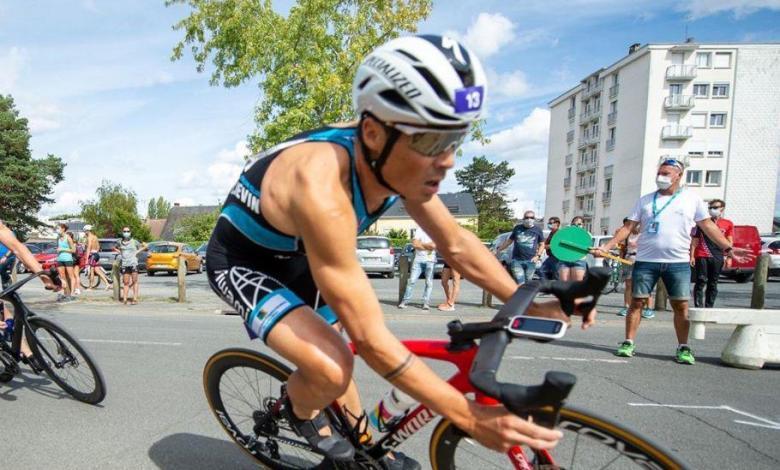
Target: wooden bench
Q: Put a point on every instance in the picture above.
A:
(754, 342)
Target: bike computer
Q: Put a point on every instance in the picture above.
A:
(535, 327)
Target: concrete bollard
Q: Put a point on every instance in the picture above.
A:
(759, 282)
(403, 276)
(116, 279)
(660, 296)
(14, 272)
(181, 276)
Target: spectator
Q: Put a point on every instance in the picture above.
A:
(666, 217)
(450, 293)
(549, 269)
(528, 249)
(93, 258)
(66, 250)
(128, 249)
(707, 258)
(573, 270)
(424, 261)
(628, 252)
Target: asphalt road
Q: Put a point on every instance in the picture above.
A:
(155, 414)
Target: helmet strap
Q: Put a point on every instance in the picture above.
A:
(377, 163)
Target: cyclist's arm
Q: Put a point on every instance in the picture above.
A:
(8, 239)
(325, 220)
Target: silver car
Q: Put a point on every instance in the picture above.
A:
(375, 255)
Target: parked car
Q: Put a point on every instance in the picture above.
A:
(596, 241)
(505, 257)
(376, 255)
(107, 253)
(771, 246)
(164, 257)
(47, 257)
(745, 236)
(36, 249)
(201, 251)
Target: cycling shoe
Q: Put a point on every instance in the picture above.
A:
(399, 461)
(334, 447)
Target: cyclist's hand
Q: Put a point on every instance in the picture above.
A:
(552, 309)
(498, 429)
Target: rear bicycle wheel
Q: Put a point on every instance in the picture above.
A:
(589, 442)
(242, 388)
(84, 279)
(66, 361)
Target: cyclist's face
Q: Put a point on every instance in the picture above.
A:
(415, 175)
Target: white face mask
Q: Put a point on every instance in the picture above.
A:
(528, 223)
(715, 212)
(663, 181)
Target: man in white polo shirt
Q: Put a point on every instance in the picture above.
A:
(424, 261)
(666, 218)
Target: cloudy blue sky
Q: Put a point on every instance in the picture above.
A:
(95, 80)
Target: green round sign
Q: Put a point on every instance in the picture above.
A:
(571, 243)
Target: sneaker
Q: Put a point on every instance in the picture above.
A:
(77, 292)
(684, 356)
(399, 461)
(626, 349)
(426, 307)
(648, 314)
(622, 312)
(445, 307)
(402, 305)
(60, 298)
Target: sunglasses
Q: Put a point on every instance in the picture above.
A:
(716, 207)
(431, 142)
(673, 162)
(529, 218)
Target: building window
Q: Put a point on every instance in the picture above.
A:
(720, 90)
(713, 178)
(722, 60)
(675, 89)
(693, 178)
(717, 119)
(703, 59)
(699, 120)
(701, 90)
(695, 154)
(715, 154)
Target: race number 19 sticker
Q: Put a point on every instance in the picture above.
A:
(469, 99)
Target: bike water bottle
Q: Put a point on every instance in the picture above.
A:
(390, 409)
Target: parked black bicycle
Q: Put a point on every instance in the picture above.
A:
(55, 351)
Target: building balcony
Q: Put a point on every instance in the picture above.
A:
(567, 183)
(588, 139)
(613, 91)
(569, 137)
(589, 91)
(676, 132)
(611, 118)
(681, 72)
(569, 159)
(571, 114)
(610, 144)
(583, 190)
(588, 163)
(606, 196)
(678, 102)
(590, 115)
(585, 212)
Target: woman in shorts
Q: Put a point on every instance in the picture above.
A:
(573, 270)
(66, 248)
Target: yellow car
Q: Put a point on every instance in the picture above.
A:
(164, 256)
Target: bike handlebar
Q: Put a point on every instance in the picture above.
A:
(557, 385)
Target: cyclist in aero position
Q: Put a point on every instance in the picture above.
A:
(283, 250)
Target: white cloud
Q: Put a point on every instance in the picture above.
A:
(489, 33)
(65, 201)
(533, 131)
(507, 85)
(697, 9)
(42, 117)
(11, 63)
(221, 174)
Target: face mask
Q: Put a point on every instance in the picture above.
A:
(578, 225)
(528, 223)
(550, 226)
(126, 234)
(663, 181)
(715, 212)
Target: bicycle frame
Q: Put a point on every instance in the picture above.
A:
(21, 314)
(421, 415)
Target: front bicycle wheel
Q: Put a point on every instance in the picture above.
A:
(243, 388)
(66, 361)
(589, 442)
(84, 279)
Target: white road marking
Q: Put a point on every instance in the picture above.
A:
(765, 423)
(119, 341)
(572, 359)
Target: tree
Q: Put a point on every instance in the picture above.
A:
(158, 208)
(151, 209)
(196, 228)
(398, 237)
(304, 61)
(487, 182)
(115, 207)
(26, 184)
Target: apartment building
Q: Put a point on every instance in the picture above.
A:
(716, 105)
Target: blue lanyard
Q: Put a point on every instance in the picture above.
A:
(656, 212)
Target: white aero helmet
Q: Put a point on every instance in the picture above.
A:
(429, 81)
